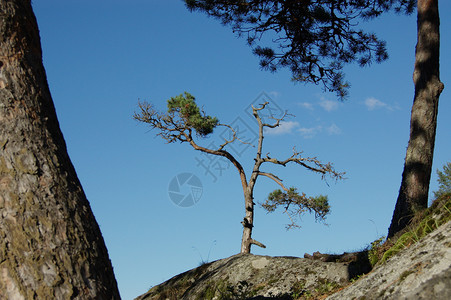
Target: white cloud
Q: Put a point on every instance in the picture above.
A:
(373, 103)
(308, 133)
(306, 105)
(283, 128)
(275, 94)
(328, 105)
(333, 129)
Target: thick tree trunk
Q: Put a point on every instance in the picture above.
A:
(50, 244)
(413, 194)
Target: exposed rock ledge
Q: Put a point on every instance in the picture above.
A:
(423, 271)
(256, 277)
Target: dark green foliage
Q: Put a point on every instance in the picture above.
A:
(444, 180)
(296, 204)
(314, 38)
(182, 118)
(186, 107)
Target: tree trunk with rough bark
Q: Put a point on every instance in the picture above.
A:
(248, 223)
(51, 246)
(413, 194)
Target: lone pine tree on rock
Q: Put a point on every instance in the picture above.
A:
(185, 122)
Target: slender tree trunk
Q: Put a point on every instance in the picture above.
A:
(248, 222)
(413, 194)
(50, 244)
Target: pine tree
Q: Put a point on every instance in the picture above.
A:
(184, 120)
(416, 176)
(444, 181)
(314, 39)
(51, 246)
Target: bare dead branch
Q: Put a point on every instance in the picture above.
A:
(170, 127)
(257, 243)
(275, 178)
(277, 120)
(293, 223)
(255, 111)
(262, 106)
(311, 163)
(234, 138)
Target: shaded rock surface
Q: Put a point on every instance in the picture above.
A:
(254, 277)
(422, 271)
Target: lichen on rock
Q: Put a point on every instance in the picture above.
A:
(246, 276)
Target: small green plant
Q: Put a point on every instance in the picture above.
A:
(374, 251)
(326, 287)
(208, 293)
(425, 222)
(224, 290)
(319, 291)
(202, 260)
(354, 279)
(444, 180)
(298, 289)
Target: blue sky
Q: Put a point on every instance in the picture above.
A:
(101, 57)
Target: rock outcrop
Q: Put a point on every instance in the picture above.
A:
(422, 271)
(246, 276)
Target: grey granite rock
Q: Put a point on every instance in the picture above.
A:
(422, 271)
(253, 277)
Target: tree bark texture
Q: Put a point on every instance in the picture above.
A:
(51, 246)
(413, 194)
(248, 222)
